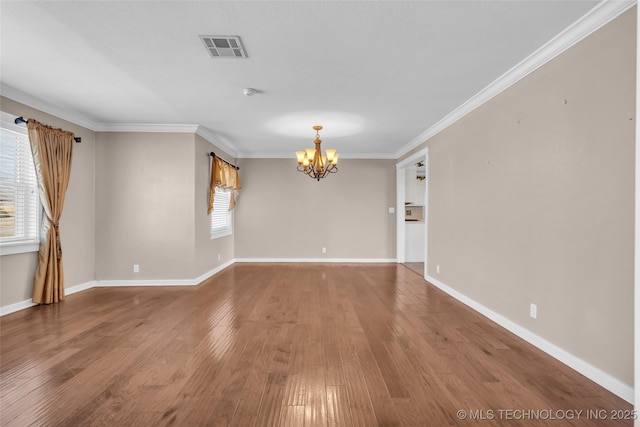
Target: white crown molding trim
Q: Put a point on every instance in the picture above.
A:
(212, 139)
(601, 14)
(46, 107)
(602, 378)
(292, 155)
(412, 159)
(325, 260)
(147, 127)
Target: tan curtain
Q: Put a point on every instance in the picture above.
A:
(225, 176)
(51, 149)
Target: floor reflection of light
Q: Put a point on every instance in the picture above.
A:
(222, 334)
(221, 341)
(37, 378)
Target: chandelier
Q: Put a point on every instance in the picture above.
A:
(313, 163)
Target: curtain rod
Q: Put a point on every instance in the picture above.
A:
(21, 119)
(212, 154)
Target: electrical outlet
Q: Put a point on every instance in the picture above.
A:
(324, 250)
(533, 311)
(136, 268)
(438, 268)
(392, 210)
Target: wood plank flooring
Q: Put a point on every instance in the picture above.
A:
(418, 267)
(283, 345)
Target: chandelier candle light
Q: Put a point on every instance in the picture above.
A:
(313, 163)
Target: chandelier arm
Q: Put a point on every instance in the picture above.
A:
(317, 167)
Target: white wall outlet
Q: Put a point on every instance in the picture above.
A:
(136, 268)
(218, 257)
(392, 210)
(324, 250)
(533, 311)
(438, 268)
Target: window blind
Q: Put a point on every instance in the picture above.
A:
(19, 203)
(221, 217)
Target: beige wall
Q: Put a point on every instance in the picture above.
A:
(77, 223)
(531, 200)
(161, 181)
(144, 206)
(282, 213)
(206, 249)
(131, 200)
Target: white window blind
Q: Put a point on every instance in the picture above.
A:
(221, 217)
(19, 199)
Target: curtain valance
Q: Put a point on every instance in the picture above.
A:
(224, 176)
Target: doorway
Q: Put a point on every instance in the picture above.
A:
(412, 189)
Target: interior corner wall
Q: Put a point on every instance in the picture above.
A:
(282, 213)
(531, 200)
(145, 206)
(207, 250)
(77, 223)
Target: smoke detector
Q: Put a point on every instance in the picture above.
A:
(249, 91)
(224, 46)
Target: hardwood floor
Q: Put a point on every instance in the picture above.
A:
(283, 344)
(418, 267)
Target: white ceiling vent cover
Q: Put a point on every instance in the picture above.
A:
(224, 46)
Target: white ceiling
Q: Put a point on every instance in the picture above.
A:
(375, 74)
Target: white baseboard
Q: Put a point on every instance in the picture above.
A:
(334, 260)
(162, 282)
(132, 283)
(214, 271)
(12, 308)
(79, 288)
(600, 377)
(607, 381)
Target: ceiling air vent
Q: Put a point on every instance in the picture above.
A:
(224, 46)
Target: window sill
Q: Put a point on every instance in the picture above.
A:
(18, 248)
(220, 233)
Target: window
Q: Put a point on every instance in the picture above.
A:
(221, 217)
(19, 199)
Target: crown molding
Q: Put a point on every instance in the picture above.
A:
(603, 13)
(58, 111)
(147, 127)
(291, 155)
(47, 107)
(214, 140)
